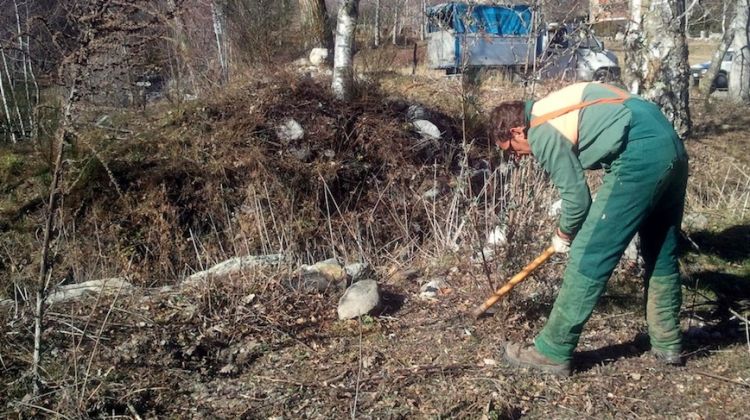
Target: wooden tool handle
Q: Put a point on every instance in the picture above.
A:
(514, 281)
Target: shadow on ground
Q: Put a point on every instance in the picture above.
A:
(731, 244)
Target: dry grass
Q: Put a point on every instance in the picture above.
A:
(206, 181)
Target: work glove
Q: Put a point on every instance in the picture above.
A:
(561, 242)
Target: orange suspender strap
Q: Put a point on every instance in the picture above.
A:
(622, 96)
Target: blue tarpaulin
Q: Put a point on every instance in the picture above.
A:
(497, 20)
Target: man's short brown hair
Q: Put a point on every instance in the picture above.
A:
(503, 117)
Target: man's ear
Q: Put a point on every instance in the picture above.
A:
(517, 131)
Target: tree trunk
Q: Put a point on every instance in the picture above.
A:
(7, 112)
(657, 61)
(11, 87)
(343, 68)
(708, 78)
(377, 23)
(45, 262)
(396, 22)
(422, 20)
(182, 49)
(739, 78)
(315, 23)
(217, 15)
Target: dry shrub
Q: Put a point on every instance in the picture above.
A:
(212, 180)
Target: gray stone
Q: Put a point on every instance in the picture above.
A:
(358, 271)
(417, 112)
(318, 56)
(302, 153)
(312, 283)
(432, 193)
(234, 266)
(319, 277)
(290, 130)
(632, 252)
(431, 289)
(76, 291)
(554, 209)
(498, 236)
(694, 221)
(427, 129)
(359, 299)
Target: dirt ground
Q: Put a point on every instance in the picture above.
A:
(247, 347)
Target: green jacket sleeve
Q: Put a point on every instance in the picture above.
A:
(558, 158)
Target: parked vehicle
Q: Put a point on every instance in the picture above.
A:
(721, 81)
(513, 38)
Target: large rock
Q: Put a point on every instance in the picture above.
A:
(290, 130)
(318, 56)
(359, 299)
(234, 266)
(68, 292)
(319, 277)
(358, 271)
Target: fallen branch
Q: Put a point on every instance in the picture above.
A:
(747, 326)
(725, 379)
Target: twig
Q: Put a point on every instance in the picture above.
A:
(46, 410)
(725, 379)
(359, 372)
(747, 327)
(133, 412)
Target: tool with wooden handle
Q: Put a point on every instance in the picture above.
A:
(521, 276)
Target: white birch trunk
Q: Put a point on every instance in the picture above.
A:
(44, 267)
(23, 54)
(183, 49)
(377, 23)
(12, 93)
(708, 79)
(422, 20)
(396, 18)
(656, 61)
(33, 105)
(343, 67)
(739, 78)
(7, 112)
(218, 20)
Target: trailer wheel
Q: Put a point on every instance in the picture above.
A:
(721, 82)
(603, 75)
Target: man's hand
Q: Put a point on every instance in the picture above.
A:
(561, 242)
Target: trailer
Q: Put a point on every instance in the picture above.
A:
(515, 38)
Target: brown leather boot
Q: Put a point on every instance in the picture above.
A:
(521, 355)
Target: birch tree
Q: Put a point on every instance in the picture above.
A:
(657, 61)
(343, 67)
(739, 77)
(315, 22)
(217, 16)
(707, 80)
(377, 23)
